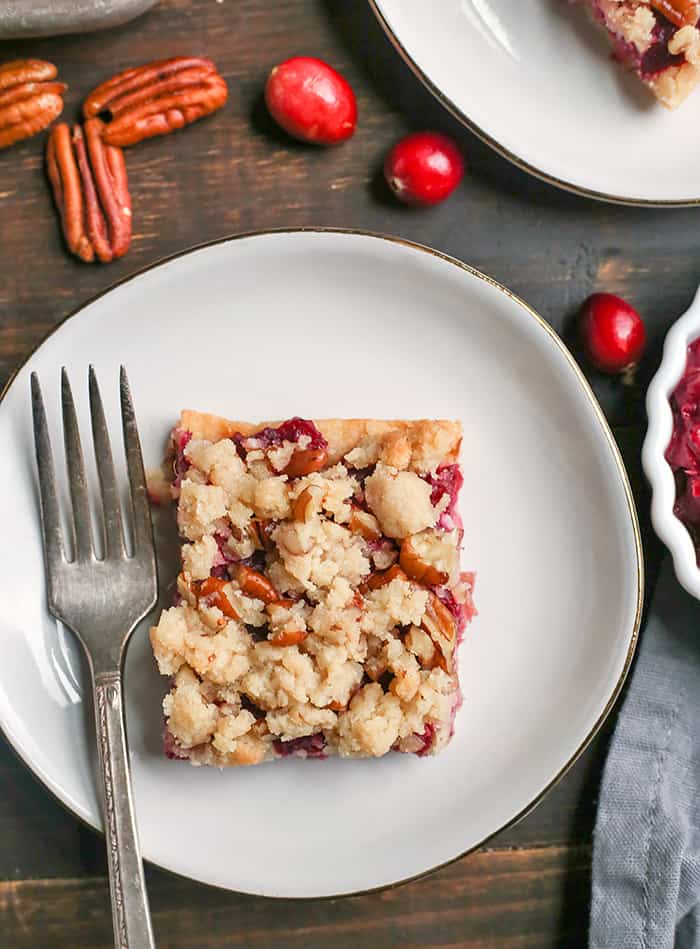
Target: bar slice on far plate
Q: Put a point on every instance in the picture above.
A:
(658, 39)
(320, 601)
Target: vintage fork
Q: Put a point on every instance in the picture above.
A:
(102, 600)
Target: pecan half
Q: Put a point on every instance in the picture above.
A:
(91, 191)
(29, 100)
(156, 99)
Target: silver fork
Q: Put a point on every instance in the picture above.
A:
(102, 600)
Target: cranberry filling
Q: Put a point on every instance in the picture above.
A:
(172, 749)
(310, 746)
(462, 612)
(427, 737)
(657, 57)
(683, 452)
(290, 431)
(180, 463)
(447, 480)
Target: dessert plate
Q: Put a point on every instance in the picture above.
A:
(342, 324)
(535, 80)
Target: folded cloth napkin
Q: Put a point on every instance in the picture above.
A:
(646, 849)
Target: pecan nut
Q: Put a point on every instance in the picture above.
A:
(156, 99)
(91, 191)
(439, 623)
(29, 99)
(214, 589)
(255, 584)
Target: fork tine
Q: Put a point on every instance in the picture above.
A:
(76, 473)
(143, 531)
(48, 499)
(111, 509)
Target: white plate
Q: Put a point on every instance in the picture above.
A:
(340, 324)
(534, 79)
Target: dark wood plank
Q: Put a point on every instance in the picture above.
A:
(234, 172)
(496, 899)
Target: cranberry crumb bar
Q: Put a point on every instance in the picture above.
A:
(658, 39)
(320, 601)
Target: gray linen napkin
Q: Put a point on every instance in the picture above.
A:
(646, 851)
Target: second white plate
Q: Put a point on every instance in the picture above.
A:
(340, 324)
(536, 80)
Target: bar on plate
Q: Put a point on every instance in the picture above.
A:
(320, 601)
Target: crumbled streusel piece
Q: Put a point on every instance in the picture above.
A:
(320, 600)
(658, 39)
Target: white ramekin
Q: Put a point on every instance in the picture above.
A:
(671, 531)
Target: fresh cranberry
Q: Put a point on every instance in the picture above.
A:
(311, 101)
(612, 333)
(424, 168)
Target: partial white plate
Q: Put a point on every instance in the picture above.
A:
(341, 324)
(535, 80)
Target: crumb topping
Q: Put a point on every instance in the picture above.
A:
(320, 599)
(400, 501)
(659, 40)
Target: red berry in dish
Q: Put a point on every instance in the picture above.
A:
(612, 333)
(424, 168)
(311, 101)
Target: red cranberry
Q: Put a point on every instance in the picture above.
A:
(311, 101)
(424, 168)
(612, 333)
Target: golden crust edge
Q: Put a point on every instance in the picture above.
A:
(428, 438)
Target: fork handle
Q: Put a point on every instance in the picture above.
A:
(130, 913)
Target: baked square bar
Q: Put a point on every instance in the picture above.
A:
(658, 39)
(320, 601)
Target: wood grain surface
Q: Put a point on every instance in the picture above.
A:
(235, 172)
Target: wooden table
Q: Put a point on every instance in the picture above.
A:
(236, 172)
